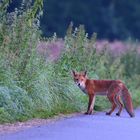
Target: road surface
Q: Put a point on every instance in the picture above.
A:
(84, 127)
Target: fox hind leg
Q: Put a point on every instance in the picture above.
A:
(113, 95)
(120, 105)
(111, 99)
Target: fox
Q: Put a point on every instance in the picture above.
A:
(115, 90)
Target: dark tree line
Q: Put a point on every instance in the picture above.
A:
(111, 19)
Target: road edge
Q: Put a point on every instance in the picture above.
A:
(35, 122)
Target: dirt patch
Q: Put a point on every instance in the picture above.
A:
(18, 126)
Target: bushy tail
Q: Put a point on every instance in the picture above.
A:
(127, 100)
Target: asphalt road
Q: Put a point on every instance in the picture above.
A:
(84, 127)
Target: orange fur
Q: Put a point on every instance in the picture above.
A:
(113, 89)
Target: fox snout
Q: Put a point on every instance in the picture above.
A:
(81, 85)
(78, 84)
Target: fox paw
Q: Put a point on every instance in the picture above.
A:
(86, 113)
(107, 113)
(117, 114)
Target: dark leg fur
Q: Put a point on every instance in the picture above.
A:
(90, 105)
(120, 105)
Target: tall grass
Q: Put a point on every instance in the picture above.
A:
(34, 83)
(116, 60)
(29, 86)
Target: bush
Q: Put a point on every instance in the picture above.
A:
(81, 53)
(28, 86)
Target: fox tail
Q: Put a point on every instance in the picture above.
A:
(127, 100)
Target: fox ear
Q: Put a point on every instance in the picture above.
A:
(85, 73)
(73, 73)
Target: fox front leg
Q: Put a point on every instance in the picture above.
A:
(90, 104)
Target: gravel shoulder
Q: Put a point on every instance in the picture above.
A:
(18, 126)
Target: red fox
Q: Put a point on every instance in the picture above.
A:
(115, 90)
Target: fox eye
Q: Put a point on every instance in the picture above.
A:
(76, 79)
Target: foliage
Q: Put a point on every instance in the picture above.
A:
(110, 19)
(28, 87)
(4, 4)
(81, 53)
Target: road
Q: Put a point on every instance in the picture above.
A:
(84, 127)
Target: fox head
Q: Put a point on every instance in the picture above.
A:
(80, 79)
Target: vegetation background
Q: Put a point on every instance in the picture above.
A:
(111, 19)
(36, 63)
